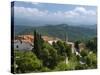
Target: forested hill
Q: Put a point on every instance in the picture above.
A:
(59, 31)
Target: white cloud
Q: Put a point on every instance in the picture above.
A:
(78, 14)
(91, 13)
(82, 10)
(28, 12)
(35, 3)
(71, 14)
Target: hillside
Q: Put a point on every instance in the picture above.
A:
(73, 32)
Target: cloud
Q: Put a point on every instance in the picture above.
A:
(28, 12)
(71, 14)
(82, 10)
(76, 15)
(35, 3)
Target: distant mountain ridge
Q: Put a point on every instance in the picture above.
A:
(73, 32)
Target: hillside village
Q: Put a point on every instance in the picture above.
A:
(48, 37)
(73, 56)
(25, 42)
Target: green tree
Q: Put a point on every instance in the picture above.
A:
(38, 44)
(49, 55)
(91, 60)
(27, 62)
(61, 66)
(45, 69)
(77, 45)
(44, 51)
(92, 44)
(62, 48)
(84, 53)
(68, 50)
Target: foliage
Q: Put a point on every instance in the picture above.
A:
(81, 66)
(73, 62)
(44, 51)
(61, 66)
(91, 60)
(45, 69)
(27, 62)
(77, 45)
(62, 48)
(92, 44)
(68, 50)
(76, 32)
(45, 57)
(38, 44)
(49, 56)
(84, 52)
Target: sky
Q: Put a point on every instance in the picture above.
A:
(32, 13)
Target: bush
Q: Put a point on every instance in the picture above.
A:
(84, 53)
(45, 69)
(73, 62)
(27, 62)
(91, 60)
(61, 67)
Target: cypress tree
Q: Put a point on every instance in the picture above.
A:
(38, 44)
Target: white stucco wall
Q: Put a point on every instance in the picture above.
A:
(51, 41)
(22, 46)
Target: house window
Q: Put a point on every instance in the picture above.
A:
(17, 46)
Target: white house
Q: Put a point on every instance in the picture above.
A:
(22, 45)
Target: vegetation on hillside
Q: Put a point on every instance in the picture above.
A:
(74, 32)
(46, 58)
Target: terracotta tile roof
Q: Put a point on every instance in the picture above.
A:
(30, 38)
